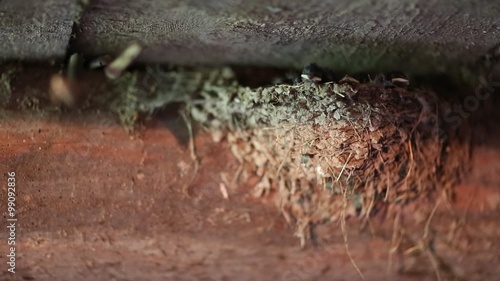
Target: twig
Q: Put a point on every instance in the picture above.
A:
(394, 246)
(192, 149)
(122, 62)
(343, 168)
(433, 261)
(73, 66)
(344, 234)
(410, 169)
(423, 244)
(369, 209)
(287, 154)
(428, 223)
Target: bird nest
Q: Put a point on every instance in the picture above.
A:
(322, 150)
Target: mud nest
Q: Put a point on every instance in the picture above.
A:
(323, 152)
(329, 150)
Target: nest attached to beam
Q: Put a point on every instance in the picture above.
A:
(322, 150)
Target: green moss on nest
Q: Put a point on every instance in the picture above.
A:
(137, 94)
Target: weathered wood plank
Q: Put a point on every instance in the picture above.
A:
(36, 30)
(350, 35)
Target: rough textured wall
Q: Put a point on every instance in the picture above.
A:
(357, 35)
(36, 30)
(416, 35)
